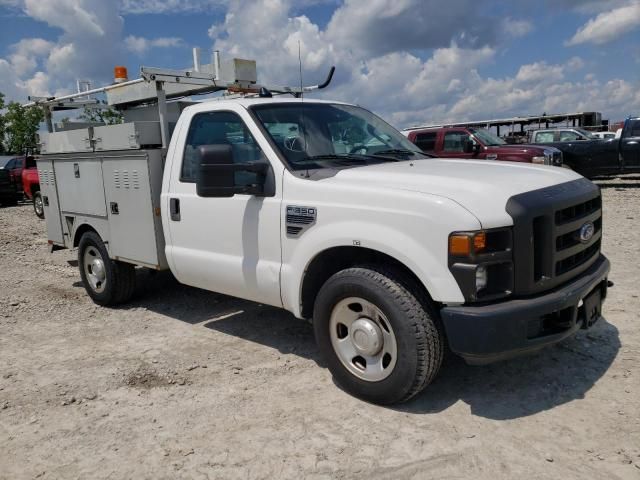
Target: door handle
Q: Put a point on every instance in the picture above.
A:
(174, 209)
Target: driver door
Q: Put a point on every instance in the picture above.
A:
(227, 245)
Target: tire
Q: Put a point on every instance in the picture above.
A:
(107, 282)
(405, 324)
(38, 205)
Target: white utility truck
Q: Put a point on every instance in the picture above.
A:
(325, 210)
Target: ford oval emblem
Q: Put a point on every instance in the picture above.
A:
(586, 232)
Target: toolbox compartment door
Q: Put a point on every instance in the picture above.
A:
(80, 186)
(49, 192)
(130, 209)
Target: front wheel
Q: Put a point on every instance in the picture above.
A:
(38, 205)
(108, 282)
(380, 342)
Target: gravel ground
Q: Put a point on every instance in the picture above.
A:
(183, 383)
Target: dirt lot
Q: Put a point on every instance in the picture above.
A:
(183, 383)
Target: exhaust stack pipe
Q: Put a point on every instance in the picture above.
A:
(196, 59)
(216, 64)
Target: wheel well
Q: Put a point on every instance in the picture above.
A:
(335, 259)
(82, 229)
(35, 188)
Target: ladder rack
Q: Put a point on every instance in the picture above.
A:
(237, 77)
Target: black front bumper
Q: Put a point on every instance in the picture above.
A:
(487, 333)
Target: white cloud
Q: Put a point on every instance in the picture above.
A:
(517, 28)
(140, 45)
(89, 44)
(38, 85)
(404, 87)
(540, 72)
(409, 60)
(12, 86)
(27, 53)
(589, 7)
(575, 63)
(169, 6)
(608, 26)
(383, 26)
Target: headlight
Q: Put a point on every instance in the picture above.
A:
(482, 263)
(552, 156)
(481, 278)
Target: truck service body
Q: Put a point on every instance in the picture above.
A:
(323, 209)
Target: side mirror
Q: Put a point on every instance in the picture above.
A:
(215, 174)
(468, 146)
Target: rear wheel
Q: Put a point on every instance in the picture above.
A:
(108, 282)
(380, 341)
(38, 205)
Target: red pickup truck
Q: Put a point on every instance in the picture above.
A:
(475, 143)
(24, 176)
(31, 185)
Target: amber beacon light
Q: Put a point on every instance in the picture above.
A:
(120, 74)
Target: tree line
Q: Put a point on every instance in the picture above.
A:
(18, 126)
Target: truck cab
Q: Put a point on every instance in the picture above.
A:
(480, 144)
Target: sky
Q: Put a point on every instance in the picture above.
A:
(410, 61)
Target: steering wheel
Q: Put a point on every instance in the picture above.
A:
(294, 143)
(362, 149)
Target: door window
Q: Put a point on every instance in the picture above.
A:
(454, 141)
(543, 137)
(215, 128)
(635, 128)
(569, 136)
(426, 141)
(13, 163)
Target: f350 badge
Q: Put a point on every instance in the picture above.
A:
(299, 218)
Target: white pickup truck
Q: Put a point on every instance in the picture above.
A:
(323, 209)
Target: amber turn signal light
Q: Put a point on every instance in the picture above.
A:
(479, 241)
(459, 245)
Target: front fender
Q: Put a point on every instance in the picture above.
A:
(426, 260)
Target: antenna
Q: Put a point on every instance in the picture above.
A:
(300, 67)
(304, 130)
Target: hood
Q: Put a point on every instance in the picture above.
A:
(480, 186)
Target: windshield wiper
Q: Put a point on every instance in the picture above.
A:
(395, 151)
(348, 157)
(335, 156)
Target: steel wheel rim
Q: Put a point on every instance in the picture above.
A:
(39, 205)
(94, 269)
(363, 340)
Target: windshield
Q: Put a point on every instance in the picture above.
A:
(587, 134)
(4, 160)
(486, 137)
(317, 135)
